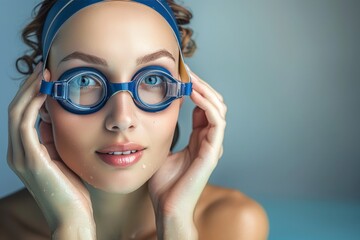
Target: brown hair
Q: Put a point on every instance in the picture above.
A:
(31, 34)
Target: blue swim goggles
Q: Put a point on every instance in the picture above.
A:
(85, 90)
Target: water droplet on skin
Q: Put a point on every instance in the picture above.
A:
(191, 179)
(52, 194)
(91, 177)
(143, 166)
(133, 236)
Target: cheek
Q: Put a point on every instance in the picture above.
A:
(163, 124)
(72, 134)
(160, 129)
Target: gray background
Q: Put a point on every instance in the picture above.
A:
(290, 74)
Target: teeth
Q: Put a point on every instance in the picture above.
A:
(122, 153)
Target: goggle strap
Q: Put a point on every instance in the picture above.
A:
(55, 89)
(177, 89)
(186, 89)
(46, 87)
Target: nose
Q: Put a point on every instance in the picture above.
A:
(121, 114)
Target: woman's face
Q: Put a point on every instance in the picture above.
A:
(116, 38)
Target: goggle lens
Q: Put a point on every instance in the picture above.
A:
(152, 89)
(86, 90)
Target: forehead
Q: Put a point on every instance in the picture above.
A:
(115, 27)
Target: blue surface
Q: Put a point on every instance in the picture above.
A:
(313, 219)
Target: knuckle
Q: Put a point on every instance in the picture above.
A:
(16, 166)
(10, 162)
(221, 152)
(214, 162)
(23, 163)
(13, 157)
(14, 112)
(222, 123)
(167, 207)
(10, 107)
(225, 108)
(24, 127)
(221, 98)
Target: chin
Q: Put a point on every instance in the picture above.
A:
(115, 187)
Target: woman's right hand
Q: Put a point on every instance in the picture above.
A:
(61, 195)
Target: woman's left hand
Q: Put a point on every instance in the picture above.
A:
(176, 187)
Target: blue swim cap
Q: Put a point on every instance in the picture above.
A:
(62, 10)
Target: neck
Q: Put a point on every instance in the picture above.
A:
(122, 215)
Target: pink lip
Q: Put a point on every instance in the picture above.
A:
(122, 161)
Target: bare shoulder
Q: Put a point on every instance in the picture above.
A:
(21, 218)
(229, 214)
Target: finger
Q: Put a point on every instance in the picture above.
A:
(28, 133)
(36, 72)
(210, 96)
(196, 77)
(47, 139)
(221, 152)
(199, 118)
(25, 85)
(203, 84)
(29, 137)
(200, 125)
(216, 122)
(22, 99)
(210, 149)
(16, 116)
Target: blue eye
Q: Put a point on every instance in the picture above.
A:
(86, 81)
(153, 80)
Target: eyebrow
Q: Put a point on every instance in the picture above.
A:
(100, 61)
(153, 56)
(85, 57)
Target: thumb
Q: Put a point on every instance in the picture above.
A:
(199, 118)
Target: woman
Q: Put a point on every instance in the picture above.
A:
(103, 168)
